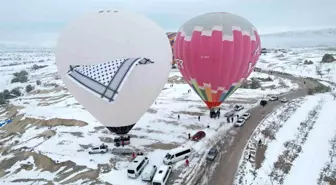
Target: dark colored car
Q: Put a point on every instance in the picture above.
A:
(263, 102)
(198, 136)
(212, 154)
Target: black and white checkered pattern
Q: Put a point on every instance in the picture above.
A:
(102, 73)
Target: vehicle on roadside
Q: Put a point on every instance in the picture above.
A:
(177, 154)
(238, 107)
(284, 100)
(198, 136)
(263, 102)
(240, 122)
(245, 116)
(148, 173)
(162, 175)
(137, 166)
(212, 154)
(99, 149)
(230, 114)
(273, 98)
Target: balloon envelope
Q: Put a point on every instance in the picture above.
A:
(115, 63)
(215, 53)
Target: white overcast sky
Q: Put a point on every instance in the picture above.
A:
(40, 21)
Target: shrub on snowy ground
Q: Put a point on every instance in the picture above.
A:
(308, 62)
(328, 70)
(328, 173)
(38, 82)
(327, 58)
(50, 85)
(255, 84)
(333, 94)
(36, 67)
(21, 76)
(29, 88)
(16, 92)
(57, 77)
(3, 100)
(6, 94)
(319, 89)
(319, 71)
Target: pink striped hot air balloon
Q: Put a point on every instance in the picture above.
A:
(215, 53)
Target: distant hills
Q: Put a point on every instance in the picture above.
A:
(292, 39)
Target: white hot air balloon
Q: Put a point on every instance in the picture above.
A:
(115, 63)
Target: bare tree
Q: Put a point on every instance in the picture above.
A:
(319, 71)
(328, 70)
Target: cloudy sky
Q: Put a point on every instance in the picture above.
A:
(39, 22)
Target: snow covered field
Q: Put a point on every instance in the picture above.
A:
(297, 140)
(293, 62)
(50, 135)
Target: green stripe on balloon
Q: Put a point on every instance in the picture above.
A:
(204, 94)
(198, 90)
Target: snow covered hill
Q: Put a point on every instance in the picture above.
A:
(308, 38)
(295, 39)
(297, 140)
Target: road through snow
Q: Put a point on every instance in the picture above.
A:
(231, 152)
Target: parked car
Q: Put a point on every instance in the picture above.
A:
(162, 175)
(240, 122)
(245, 116)
(137, 166)
(198, 136)
(148, 173)
(284, 100)
(273, 98)
(238, 107)
(212, 154)
(100, 149)
(177, 154)
(229, 114)
(263, 103)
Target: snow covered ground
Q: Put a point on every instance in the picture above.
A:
(49, 138)
(293, 62)
(297, 140)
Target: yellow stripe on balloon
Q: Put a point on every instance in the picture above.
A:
(208, 93)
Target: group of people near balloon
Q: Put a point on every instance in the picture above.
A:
(116, 63)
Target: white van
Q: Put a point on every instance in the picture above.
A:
(176, 154)
(162, 175)
(136, 167)
(148, 173)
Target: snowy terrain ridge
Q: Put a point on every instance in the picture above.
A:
(308, 38)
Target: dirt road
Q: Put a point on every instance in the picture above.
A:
(230, 152)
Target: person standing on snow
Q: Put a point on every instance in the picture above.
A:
(187, 162)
